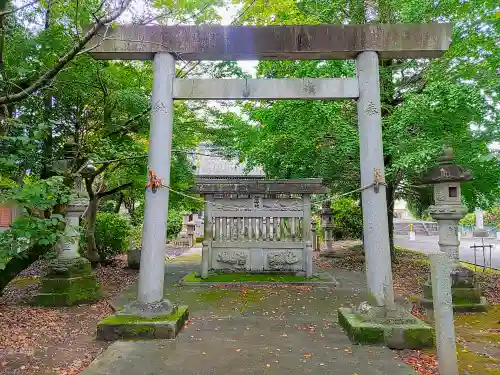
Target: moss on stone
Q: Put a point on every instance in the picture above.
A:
(68, 291)
(134, 327)
(420, 337)
(230, 277)
(357, 331)
(400, 336)
(132, 319)
(59, 268)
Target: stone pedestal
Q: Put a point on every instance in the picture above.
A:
(134, 259)
(160, 320)
(466, 295)
(393, 327)
(70, 280)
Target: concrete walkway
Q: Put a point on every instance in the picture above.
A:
(266, 330)
(429, 244)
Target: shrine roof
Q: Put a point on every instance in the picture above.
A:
(259, 186)
(212, 164)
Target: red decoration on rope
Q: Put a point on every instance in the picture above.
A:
(154, 182)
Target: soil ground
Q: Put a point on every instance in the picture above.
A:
(61, 341)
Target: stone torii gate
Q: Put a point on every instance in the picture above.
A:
(364, 43)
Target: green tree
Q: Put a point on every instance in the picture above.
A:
(426, 104)
(52, 93)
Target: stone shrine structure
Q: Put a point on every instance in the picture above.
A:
(258, 225)
(447, 211)
(163, 44)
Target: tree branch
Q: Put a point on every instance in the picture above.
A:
(115, 190)
(88, 187)
(6, 12)
(130, 121)
(101, 169)
(65, 59)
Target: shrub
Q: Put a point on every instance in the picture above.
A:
(469, 219)
(174, 223)
(136, 235)
(112, 232)
(347, 220)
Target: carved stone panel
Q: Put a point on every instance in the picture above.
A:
(282, 259)
(237, 259)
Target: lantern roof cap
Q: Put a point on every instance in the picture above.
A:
(445, 171)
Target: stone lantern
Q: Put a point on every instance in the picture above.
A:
(70, 279)
(327, 224)
(447, 211)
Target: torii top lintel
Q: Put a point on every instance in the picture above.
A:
(311, 42)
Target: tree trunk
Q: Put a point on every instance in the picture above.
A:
(19, 264)
(92, 253)
(119, 203)
(390, 217)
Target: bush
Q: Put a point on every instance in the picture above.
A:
(174, 223)
(347, 220)
(469, 219)
(136, 235)
(112, 232)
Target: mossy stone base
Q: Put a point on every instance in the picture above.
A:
(481, 306)
(413, 334)
(68, 282)
(121, 326)
(466, 297)
(134, 259)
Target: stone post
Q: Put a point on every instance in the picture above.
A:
(151, 275)
(306, 233)
(375, 226)
(191, 233)
(443, 314)
(479, 219)
(309, 259)
(327, 225)
(479, 230)
(313, 235)
(204, 260)
(207, 227)
(152, 316)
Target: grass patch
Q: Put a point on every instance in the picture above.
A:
(192, 258)
(410, 254)
(480, 269)
(479, 332)
(248, 277)
(21, 282)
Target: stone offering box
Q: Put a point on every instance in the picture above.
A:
(258, 225)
